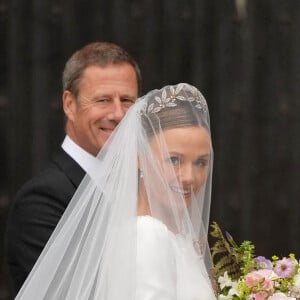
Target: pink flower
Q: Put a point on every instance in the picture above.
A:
(285, 268)
(259, 296)
(260, 278)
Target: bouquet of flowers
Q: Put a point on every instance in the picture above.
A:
(240, 275)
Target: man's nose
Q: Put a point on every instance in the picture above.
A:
(117, 112)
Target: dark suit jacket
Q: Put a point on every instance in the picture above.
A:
(39, 206)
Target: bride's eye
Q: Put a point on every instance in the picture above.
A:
(174, 160)
(201, 162)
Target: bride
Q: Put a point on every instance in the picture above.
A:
(136, 228)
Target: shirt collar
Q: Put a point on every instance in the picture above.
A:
(82, 157)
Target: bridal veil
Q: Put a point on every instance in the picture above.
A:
(142, 211)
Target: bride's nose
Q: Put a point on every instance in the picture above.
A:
(186, 174)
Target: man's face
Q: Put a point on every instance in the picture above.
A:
(105, 94)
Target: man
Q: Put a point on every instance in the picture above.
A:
(100, 82)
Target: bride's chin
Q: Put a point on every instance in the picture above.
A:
(188, 201)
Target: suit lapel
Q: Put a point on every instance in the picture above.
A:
(69, 166)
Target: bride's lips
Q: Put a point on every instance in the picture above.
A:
(184, 192)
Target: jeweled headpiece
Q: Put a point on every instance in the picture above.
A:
(170, 97)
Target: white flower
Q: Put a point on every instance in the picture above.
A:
(297, 280)
(280, 296)
(225, 281)
(295, 288)
(223, 297)
(233, 291)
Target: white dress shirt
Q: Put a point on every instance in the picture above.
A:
(82, 157)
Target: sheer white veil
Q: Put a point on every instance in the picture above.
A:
(92, 253)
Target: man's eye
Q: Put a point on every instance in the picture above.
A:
(102, 100)
(126, 100)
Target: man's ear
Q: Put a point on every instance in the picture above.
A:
(69, 105)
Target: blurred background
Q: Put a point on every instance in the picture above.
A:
(243, 56)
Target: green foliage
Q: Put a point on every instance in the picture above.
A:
(235, 267)
(228, 256)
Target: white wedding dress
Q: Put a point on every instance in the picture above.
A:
(166, 268)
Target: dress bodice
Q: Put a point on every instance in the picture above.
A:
(167, 269)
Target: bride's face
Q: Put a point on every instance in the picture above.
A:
(186, 160)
